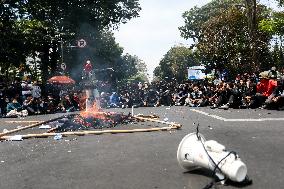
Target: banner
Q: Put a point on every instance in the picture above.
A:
(196, 73)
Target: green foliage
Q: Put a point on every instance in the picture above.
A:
(127, 66)
(70, 14)
(12, 51)
(274, 24)
(196, 17)
(280, 2)
(175, 62)
(277, 56)
(224, 37)
(48, 27)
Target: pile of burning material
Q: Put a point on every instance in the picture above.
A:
(93, 118)
(90, 121)
(67, 127)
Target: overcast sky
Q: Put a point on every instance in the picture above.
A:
(156, 30)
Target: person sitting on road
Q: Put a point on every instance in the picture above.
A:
(261, 89)
(248, 98)
(29, 104)
(15, 109)
(222, 96)
(49, 104)
(164, 98)
(67, 104)
(137, 98)
(265, 88)
(104, 99)
(181, 95)
(195, 98)
(76, 101)
(151, 98)
(125, 99)
(276, 99)
(114, 100)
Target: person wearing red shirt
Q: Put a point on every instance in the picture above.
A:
(265, 88)
(261, 89)
(88, 68)
(272, 84)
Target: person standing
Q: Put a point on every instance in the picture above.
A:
(36, 90)
(88, 68)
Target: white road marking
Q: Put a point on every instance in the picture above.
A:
(235, 120)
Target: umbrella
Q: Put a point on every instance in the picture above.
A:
(61, 80)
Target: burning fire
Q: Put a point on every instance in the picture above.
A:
(95, 117)
(94, 112)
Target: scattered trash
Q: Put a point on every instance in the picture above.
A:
(45, 127)
(5, 130)
(58, 136)
(16, 138)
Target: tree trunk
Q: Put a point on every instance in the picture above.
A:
(252, 25)
(53, 58)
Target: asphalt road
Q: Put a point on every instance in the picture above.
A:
(144, 160)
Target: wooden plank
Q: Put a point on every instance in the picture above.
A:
(23, 121)
(81, 133)
(29, 126)
(157, 121)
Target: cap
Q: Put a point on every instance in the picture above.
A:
(264, 75)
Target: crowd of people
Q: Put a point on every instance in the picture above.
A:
(266, 90)
(27, 97)
(245, 91)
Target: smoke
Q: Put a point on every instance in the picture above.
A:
(92, 51)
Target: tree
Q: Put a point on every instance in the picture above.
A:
(196, 17)
(277, 56)
(101, 49)
(127, 66)
(57, 22)
(274, 26)
(175, 62)
(280, 2)
(12, 51)
(225, 40)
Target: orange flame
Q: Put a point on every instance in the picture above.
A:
(96, 113)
